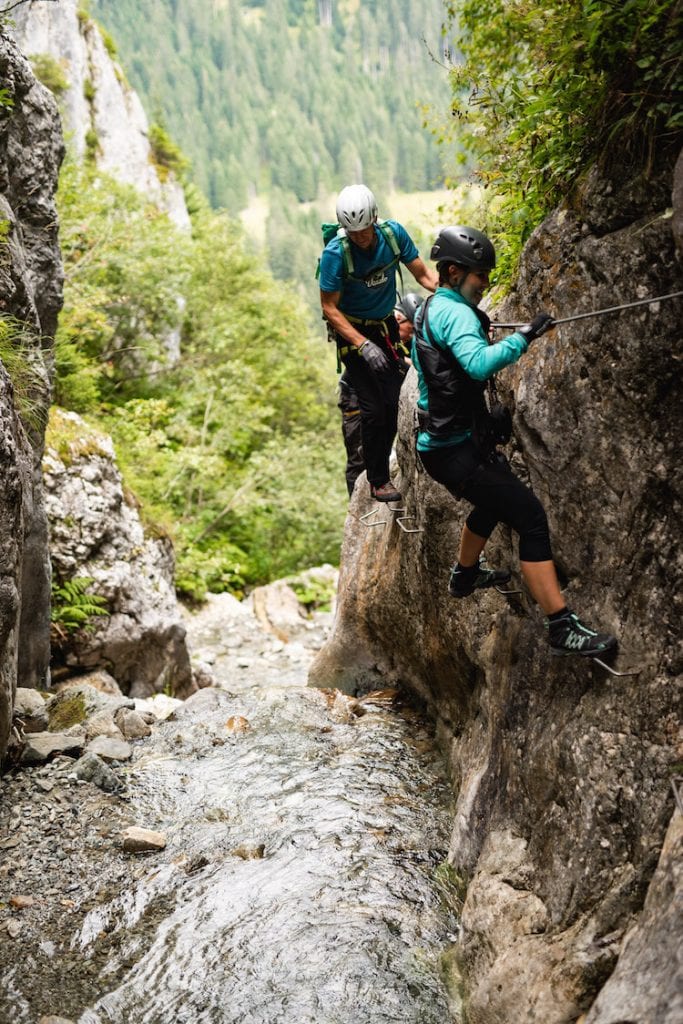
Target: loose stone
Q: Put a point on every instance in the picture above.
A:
(21, 902)
(142, 840)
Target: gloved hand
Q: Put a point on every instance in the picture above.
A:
(374, 357)
(541, 323)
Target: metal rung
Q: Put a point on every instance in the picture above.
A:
(403, 518)
(613, 671)
(507, 593)
(408, 529)
(366, 517)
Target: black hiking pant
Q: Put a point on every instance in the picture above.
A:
(351, 432)
(377, 397)
(497, 494)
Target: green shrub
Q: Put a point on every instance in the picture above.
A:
(235, 451)
(166, 155)
(314, 593)
(22, 359)
(51, 72)
(542, 92)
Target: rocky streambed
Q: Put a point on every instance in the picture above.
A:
(266, 852)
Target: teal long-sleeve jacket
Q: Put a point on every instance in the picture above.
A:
(454, 325)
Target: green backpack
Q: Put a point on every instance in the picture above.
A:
(330, 231)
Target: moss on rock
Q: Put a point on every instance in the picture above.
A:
(67, 709)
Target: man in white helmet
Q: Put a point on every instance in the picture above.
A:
(404, 314)
(358, 295)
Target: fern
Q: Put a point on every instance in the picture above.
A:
(73, 608)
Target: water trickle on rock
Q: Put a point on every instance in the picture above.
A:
(303, 874)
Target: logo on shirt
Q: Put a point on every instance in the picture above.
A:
(376, 279)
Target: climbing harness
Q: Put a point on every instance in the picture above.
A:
(598, 312)
(350, 350)
(345, 350)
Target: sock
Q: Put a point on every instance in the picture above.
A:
(467, 570)
(558, 615)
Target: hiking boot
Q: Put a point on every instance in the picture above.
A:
(464, 581)
(387, 492)
(568, 635)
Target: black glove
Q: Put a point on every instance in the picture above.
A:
(541, 323)
(374, 357)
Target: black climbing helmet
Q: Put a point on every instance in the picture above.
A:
(409, 305)
(465, 246)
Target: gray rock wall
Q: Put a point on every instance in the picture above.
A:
(15, 512)
(30, 298)
(562, 772)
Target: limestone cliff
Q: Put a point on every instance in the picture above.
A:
(30, 298)
(101, 112)
(563, 773)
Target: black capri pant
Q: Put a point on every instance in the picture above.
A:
(497, 494)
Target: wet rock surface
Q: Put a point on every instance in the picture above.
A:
(269, 851)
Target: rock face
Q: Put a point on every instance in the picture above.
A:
(96, 533)
(99, 107)
(103, 116)
(648, 947)
(562, 771)
(30, 298)
(15, 513)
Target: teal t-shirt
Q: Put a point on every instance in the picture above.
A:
(455, 326)
(374, 296)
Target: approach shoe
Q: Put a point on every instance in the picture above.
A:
(568, 635)
(464, 582)
(386, 492)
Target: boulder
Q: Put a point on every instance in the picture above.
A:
(96, 533)
(29, 706)
(92, 768)
(40, 746)
(277, 608)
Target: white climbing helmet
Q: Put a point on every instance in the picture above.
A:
(356, 207)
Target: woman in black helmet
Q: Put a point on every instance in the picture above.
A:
(456, 442)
